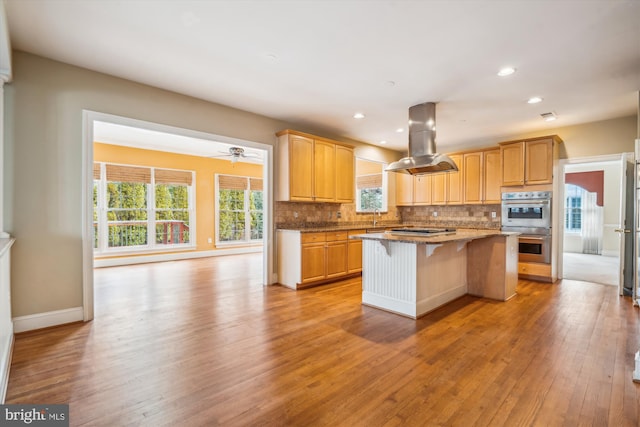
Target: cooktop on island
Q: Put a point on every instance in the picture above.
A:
(421, 231)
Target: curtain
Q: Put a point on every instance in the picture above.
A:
(592, 224)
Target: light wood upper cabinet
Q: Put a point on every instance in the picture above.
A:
(313, 169)
(324, 171)
(529, 162)
(538, 162)
(404, 189)
(301, 168)
(345, 174)
(512, 163)
(439, 188)
(473, 178)
(422, 190)
(492, 176)
(455, 182)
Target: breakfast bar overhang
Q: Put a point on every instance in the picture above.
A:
(412, 275)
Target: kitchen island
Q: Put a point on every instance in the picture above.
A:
(412, 275)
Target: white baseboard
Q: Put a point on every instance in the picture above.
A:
(5, 366)
(610, 253)
(113, 262)
(45, 320)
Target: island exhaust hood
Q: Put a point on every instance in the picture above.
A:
(423, 157)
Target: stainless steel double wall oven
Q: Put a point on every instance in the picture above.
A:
(529, 213)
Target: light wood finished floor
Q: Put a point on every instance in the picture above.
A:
(197, 343)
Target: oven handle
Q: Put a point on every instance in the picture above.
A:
(529, 237)
(532, 202)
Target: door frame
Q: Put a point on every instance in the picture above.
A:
(559, 202)
(88, 118)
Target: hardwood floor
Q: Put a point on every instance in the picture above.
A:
(201, 342)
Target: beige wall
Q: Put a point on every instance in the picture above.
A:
(590, 139)
(43, 164)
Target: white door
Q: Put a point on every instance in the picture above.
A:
(625, 224)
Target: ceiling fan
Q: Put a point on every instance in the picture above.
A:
(236, 153)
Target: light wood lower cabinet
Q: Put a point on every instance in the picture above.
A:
(354, 264)
(309, 259)
(535, 271)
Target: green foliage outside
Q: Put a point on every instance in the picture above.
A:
(127, 213)
(232, 216)
(370, 199)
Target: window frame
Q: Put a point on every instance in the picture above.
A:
(385, 188)
(103, 248)
(248, 241)
(569, 210)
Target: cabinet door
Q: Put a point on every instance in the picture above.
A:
(337, 253)
(422, 190)
(345, 176)
(438, 189)
(512, 163)
(324, 171)
(404, 189)
(539, 162)
(354, 264)
(313, 262)
(300, 168)
(492, 178)
(473, 179)
(455, 181)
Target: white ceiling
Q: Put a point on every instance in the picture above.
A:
(316, 63)
(148, 139)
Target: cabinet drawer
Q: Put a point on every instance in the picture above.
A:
(533, 269)
(313, 237)
(333, 236)
(355, 232)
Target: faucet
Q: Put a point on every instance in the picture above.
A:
(375, 211)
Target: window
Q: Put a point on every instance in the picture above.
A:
(139, 208)
(573, 208)
(371, 186)
(239, 210)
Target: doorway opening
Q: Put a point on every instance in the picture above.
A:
(593, 199)
(152, 193)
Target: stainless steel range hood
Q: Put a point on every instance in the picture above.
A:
(423, 157)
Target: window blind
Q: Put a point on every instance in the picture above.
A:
(228, 182)
(255, 184)
(119, 173)
(96, 171)
(167, 176)
(369, 181)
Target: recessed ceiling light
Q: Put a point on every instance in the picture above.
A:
(549, 117)
(506, 71)
(358, 116)
(400, 130)
(272, 57)
(383, 142)
(534, 100)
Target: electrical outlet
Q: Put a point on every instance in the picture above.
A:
(338, 214)
(435, 213)
(209, 240)
(493, 214)
(295, 214)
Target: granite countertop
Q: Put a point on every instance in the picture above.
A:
(460, 235)
(370, 227)
(321, 228)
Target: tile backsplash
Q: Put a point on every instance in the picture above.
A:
(462, 216)
(301, 215)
